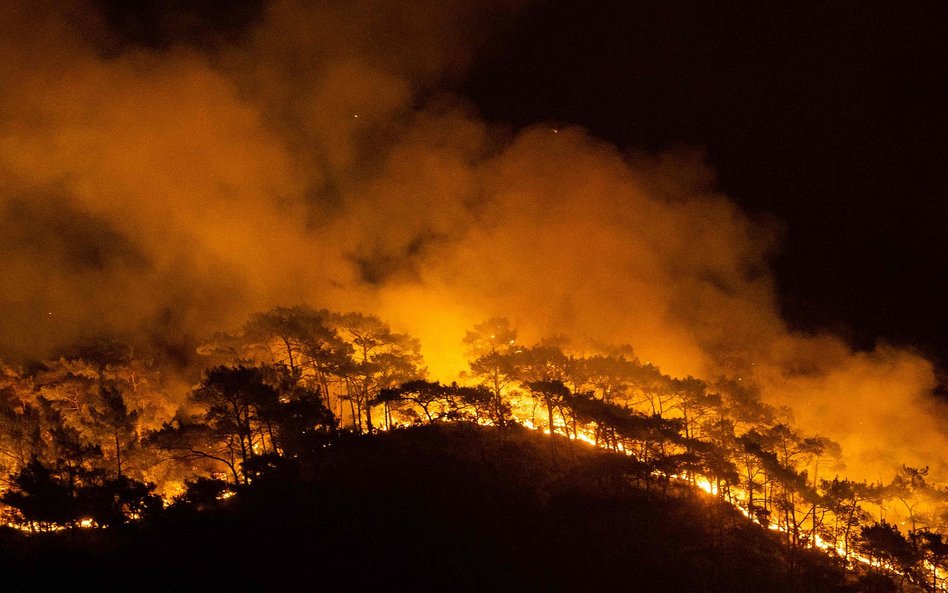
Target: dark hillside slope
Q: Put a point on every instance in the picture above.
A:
(435, 508)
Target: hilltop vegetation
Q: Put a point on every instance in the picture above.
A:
(305, 411)
(450, 507)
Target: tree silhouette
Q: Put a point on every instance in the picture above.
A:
(909, 487)
(111, 415)
(199, 442)
(842, 498)
(233, 397)
(20, 430)
(204, 493)
(42, 499)
(886, 546)
(551, 393)
(934, 549)
(490, 347)
(439, 401)
(298, 422)
(381, 359)
(118, 500)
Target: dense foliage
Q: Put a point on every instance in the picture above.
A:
(93, 438)
(445, 507)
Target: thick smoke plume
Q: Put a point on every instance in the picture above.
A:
(165, 191)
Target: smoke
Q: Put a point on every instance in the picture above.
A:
(166, 190)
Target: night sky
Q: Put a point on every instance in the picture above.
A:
(829, 117)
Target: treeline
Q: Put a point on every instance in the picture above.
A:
(91, 438)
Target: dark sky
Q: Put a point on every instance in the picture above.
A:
(830, 116)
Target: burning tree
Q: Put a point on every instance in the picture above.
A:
(491, 346)
(380, 358)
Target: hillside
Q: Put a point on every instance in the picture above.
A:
(444, 507)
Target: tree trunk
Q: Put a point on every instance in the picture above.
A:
(368, 413)
(549, 408)
(273, 446)
(498, 403)
(849, 524)
(118, 454)
(289, 354)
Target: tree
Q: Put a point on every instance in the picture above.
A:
(489, 346)
(883, 544)
(934, 549)
(695, 402)
(115, 501)
(793, 453)
(204, 493)
(490, 336)
(42, 499)
(69, 386)
(69, 452)
(198, 442)
(751, 448)
(283, 333)
(742, 405)
(496, 370)
(112, 417)
(232, 398)
(301, 421)
(304, 340)
(244, 417)
(428, 396)
(553, 394)
(542, 363)
(381, 358)
(20, 431)
(301, 339)
(842, 498)
(910, 487)
(439, 401)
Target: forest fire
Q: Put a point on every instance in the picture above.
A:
(233, 246)
(292, 377)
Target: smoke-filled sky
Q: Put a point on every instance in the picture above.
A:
(166, 170)
(829, 116)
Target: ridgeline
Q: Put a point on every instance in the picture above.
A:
(442, 507)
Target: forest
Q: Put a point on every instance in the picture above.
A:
(110, 438)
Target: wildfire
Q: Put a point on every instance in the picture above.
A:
(294, 377)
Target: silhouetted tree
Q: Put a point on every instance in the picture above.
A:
(302, 422)
(381, 358)
(118, 500)
(887, 547)
(491, 346)
(910, 487)
(71, 455)
(695, 403)
(552, 394)
(304, 340)
(232, 398)
(438, 401)
(934, 549)
(41, 498)
(112, 417)
(20, 431)
(192, 442)
(204, 493)
(842, 498)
